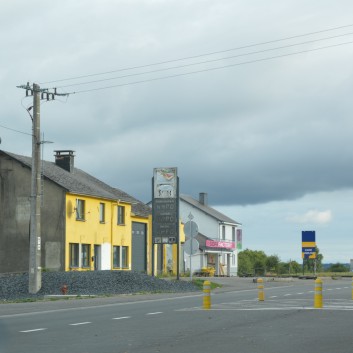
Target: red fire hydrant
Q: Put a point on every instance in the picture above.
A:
(64, 289)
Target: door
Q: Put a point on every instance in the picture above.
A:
(139, 247)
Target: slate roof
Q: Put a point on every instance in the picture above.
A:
(208, 210)
(82, 183)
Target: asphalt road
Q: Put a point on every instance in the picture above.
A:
(237, 322)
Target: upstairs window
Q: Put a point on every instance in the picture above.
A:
(121, 214)
(102, 212)
(80, 210)
(223, 232)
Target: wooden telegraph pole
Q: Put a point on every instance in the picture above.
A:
(35, 271)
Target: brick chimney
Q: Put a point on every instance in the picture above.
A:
(203, 198)
(65, 159)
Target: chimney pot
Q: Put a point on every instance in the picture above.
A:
(65, 159)
(203, 198)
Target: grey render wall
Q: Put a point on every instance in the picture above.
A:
(15, 190)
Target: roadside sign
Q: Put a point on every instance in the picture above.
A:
(191, 229)
(308, 245)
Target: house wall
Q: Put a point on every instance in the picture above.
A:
(206, 224)
(15, 191)
(211, 228)
(91, 231)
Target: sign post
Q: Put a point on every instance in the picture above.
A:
(165, 210)
(191, 246)
(308, 247)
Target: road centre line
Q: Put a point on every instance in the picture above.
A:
(155, 313)
(81, 323)
(121, 318)
(34, 330)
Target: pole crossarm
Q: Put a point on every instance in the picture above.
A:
(46, 93)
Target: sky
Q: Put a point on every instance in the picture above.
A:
(250, 100)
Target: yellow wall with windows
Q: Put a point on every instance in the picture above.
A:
(90, 230)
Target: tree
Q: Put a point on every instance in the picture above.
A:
(337, 267)
(251, 262)
(272, 263)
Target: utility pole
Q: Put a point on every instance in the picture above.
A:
(35, 271)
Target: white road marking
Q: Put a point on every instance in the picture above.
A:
(121, 318)
(287, 295)
(35, 330)
(156, 313)
(81, 323)
(274, 296)
(300, 293)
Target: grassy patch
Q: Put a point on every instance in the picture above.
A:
(199, 283)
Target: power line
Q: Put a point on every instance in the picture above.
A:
(196, 56)
(209, 69)
(202, 62)
(21, 132)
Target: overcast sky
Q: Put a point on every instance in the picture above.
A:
(250, 100)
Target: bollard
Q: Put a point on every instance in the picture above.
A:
(318, 294)
(352, 288)
(207, 295)
(260, 287)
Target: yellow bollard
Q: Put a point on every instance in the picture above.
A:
(318, 302)
(207, 295)
(260, 287)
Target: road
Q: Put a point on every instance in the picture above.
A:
(237, 322)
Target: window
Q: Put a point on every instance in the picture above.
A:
(233, 235)
(116, 256)
(120, 256)
(80, 209)
(121, 214)
(102, 212)
(223, 232)
(124, 256)
(85, 255)
(74, 255)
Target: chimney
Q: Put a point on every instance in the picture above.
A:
(65, 159)
(203, 198)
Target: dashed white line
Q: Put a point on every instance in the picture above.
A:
(274, 296)
(121, 318)
(34, 330)
(287, 295)
(80, 323)
(155, 313)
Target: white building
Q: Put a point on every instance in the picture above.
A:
(219, 237)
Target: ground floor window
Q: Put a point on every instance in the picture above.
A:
(85, 255)
(74, 255)
(120, 256)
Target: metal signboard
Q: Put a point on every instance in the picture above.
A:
(308, 245)
(165, 206)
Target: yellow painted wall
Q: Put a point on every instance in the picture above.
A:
(91, 231)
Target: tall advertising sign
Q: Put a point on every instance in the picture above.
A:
(308, 245)
(165, 203)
